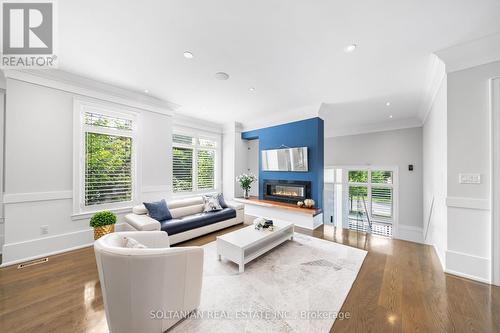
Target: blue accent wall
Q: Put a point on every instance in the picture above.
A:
(305, 133)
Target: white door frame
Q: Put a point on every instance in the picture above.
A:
(395, 187)
(495, 179)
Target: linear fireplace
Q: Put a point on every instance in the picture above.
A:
(287, 190)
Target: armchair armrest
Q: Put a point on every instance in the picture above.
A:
(235, 205)
(142, 222)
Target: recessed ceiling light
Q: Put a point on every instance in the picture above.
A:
(221, 76)
(350, 48)
(252, 89)
(188, 55)
(388, 104)
(390, 116)
(146, 91)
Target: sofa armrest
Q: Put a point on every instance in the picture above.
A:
(142, 222)
(235, 205)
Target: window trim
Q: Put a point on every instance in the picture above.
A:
(80, 107)
(180, 130)
(394, 186)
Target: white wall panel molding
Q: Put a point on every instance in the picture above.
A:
(88, 215)
(468, 203)
(18, 252)
(468, 266)
(12, 198)
(72, 83)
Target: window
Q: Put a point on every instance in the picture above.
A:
(194, 161)
(370, 201)
(360, 199)
(106, 147)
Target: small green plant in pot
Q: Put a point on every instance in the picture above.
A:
(103, 223)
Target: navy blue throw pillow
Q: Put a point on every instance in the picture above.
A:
(158, 210)
(222, 202)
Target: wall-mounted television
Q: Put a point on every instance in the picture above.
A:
(287, 159)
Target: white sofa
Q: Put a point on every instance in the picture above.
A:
(184, 210)
(141, 287)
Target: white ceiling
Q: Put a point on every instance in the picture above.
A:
(290, 51)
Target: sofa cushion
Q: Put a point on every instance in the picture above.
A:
(175, 226)
(185, 202)
(131, 243)
(211, 203)
(158, 210)
(181, 212)
(222, 201)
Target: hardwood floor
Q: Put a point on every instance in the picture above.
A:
(400, 288)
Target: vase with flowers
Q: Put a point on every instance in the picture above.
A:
(246, 181)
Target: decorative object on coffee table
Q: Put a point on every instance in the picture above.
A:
(246, 181)
(103, 223)
(300, 203)
(261, 223)
(309, 203)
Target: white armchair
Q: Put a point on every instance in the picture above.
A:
(137, 282)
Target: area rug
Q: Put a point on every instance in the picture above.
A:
(299, 286)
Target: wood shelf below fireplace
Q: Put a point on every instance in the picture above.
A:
(269, 203)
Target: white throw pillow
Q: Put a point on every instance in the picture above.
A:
(132, 243)
(211, 203)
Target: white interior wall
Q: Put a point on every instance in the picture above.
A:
(389, 148)
(2, 132)
(495, 198)
(253, 163)
(469, 151)
(39, 176)
(234, 160)
(2, 80)
(228, 155)
(240, 160)
(434, 174)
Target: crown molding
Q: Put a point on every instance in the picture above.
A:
(72, 83)
(472, 53)
(197, 124)
(279, 118)
(373, 128)
(435, 76)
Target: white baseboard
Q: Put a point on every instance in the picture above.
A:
(410, 233)
(468, 266)
(467, 276)
(15, 253)
(440, 257)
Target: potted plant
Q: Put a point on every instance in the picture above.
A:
(103, 223)
(246, 183)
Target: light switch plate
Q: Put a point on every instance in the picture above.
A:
(44, 229)
(469, 178)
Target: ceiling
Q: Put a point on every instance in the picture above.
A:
(290, 51)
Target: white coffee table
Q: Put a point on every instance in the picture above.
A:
(246, 244)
